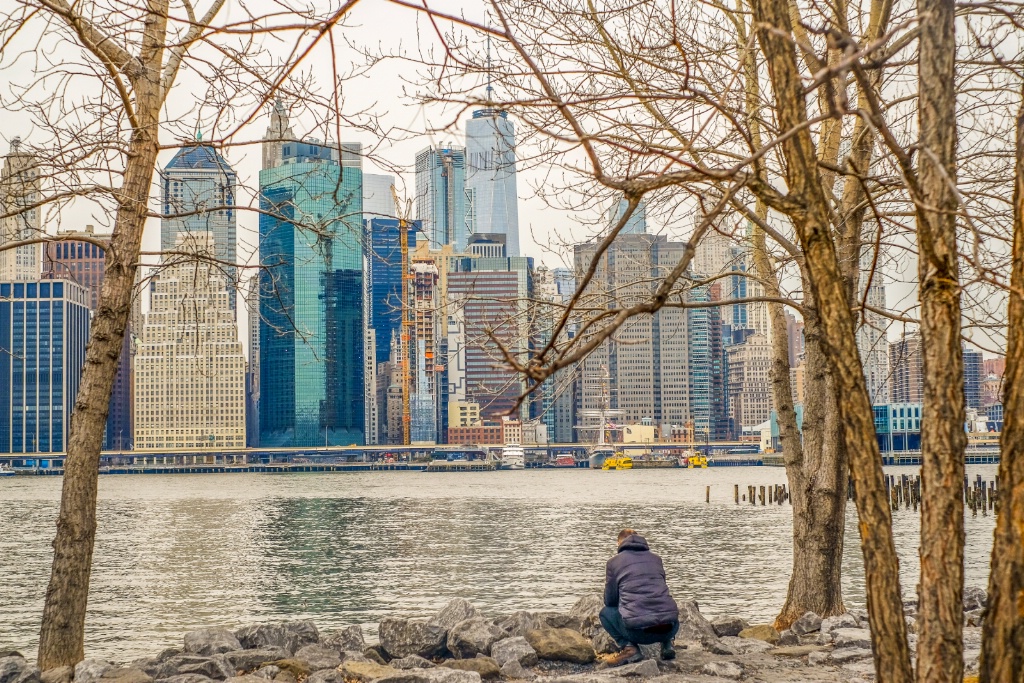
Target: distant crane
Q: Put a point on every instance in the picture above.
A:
(402, 210)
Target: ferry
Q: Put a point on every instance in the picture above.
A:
(565, 460)
(598, 454)
(692, 459)
(513, 457)
(6, 471)
(618, 463)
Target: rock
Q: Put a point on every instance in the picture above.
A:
(514, 649)
(745, 645)
(373, 654)
(455, 611)
(296, 667)
(267, 672)
(723, 669)
(849, 654)
(975, 617)
(471, 637)
(974, 598)
(561, 645)
(829, 624)
(404, 637)
(717, 647)
(16, 669)
(692, 624)
(808, 623)
(185, 678)
(216, 667)
(326, 676)
(60, 674)
(514, 670)
(286, 677)
(435, 675)
(365, 671)
(348, 639)
(518, 623)
(168, 653)
(8, 651)
(648, 668)
(728, 626)
(818, 658)
(797, 651)
(318, 657)
(411, 662)
(852, 637)
(246, 678)
(87, 670)
(603, 643)
(250, 660)
(211, 641)
(291, 635)
(587, 611)
(861, 617)
(788, 638)
(126, 675)
(555, 620)
(485, 666)
(763, 632)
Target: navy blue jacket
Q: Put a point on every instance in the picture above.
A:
(635, 583)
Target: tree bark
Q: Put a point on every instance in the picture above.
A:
(940, 592)
(808, 209)
(1002, 642)
(62, 634)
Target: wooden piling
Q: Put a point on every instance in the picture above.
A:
(736, 493)
(707, 494)
(762, 496)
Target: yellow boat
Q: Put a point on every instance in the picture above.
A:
(618, 463)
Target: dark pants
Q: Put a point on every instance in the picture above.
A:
(624, 635)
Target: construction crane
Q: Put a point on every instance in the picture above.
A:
(402, 210)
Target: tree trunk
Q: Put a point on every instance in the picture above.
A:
(940, 593)
(1002, 642)
(808, 209)
(62, 635)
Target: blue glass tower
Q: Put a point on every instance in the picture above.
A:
(44, 328)
(311, 283)
(384, 272)
(441, 196)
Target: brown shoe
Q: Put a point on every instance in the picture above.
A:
(627, 655)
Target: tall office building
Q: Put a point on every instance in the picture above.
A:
(19, 191)
(646, 361)
(441, 196)
(491, 176)
(707, 366)
(190, 368)
(252, 374)
(872, 342)
(279, 133)
(974, 374)
(311, 290)
(198, 188)
(78, 257)
(44, 328)
(377, 199)
(906, 363)
(717, 254)
(750, 388)
(383, 255)
(636, 224)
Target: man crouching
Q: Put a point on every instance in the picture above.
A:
(638, 607)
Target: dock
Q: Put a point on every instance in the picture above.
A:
(462, 466)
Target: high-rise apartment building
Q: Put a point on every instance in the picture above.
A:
(750, 388)
(80, 257)
(440, 203)
(198, 187)
(19, 192)
(311, 294)
(906, 363)
(44, 329)
(190, 368)
(974, 375)
(491, 176)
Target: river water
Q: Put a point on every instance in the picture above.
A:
(178, 552)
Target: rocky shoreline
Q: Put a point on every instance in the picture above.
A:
(459, 645)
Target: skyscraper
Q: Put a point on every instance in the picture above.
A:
(636, 224)
(252, 377)
(974, 366)
(383, 254)
(750, 389)
(311, 291)
(190, 369)
(906, 362)
(872, 342)
(19, 191)
(198, 188)
(491, 176)
(44, 328)
(377, 199)
(441, 196)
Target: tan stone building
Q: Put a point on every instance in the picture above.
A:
(750, 388)
(189, 368)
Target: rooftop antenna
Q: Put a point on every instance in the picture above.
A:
(490, 90)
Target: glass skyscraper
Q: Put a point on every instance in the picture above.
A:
(491, 176)
(384, 272)
(44, 328)
(441, 196)
(311, 284)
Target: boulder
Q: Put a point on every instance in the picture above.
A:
(404, 637)
(168, 653)
(185, 678)
(296, 667)
(471, 637)
(763, 632)
(216, 667)
(849, 654)
(60, 674)
(326, 676)
(815, 638)
(318, 657)
(693, 626)
(348, 639)
(975, 617)
(87, 670)
(514, 670)
(852, 637)
(286, 677)
(436, 675)
(728, 626)
(250, 660)
(818, 658)
(126, 675)
(412, 662)
(8, 651)
(211, 641)
(555, 620)
(373, 654)
(648, 668)
(731, 670)
(587, 612)
(561, 645)
(291, 635)
(514, 649)
(455, 611)
(518, 623)
(16, 669)
(829, 624)
(247, 678)
(267, 672)
(364, 671)
(808, 623)
(718, 646)
(788, 638)
(603, 643)
(974, 598)
(485, 666)
(745, 646)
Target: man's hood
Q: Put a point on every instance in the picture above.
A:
(634, 542)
